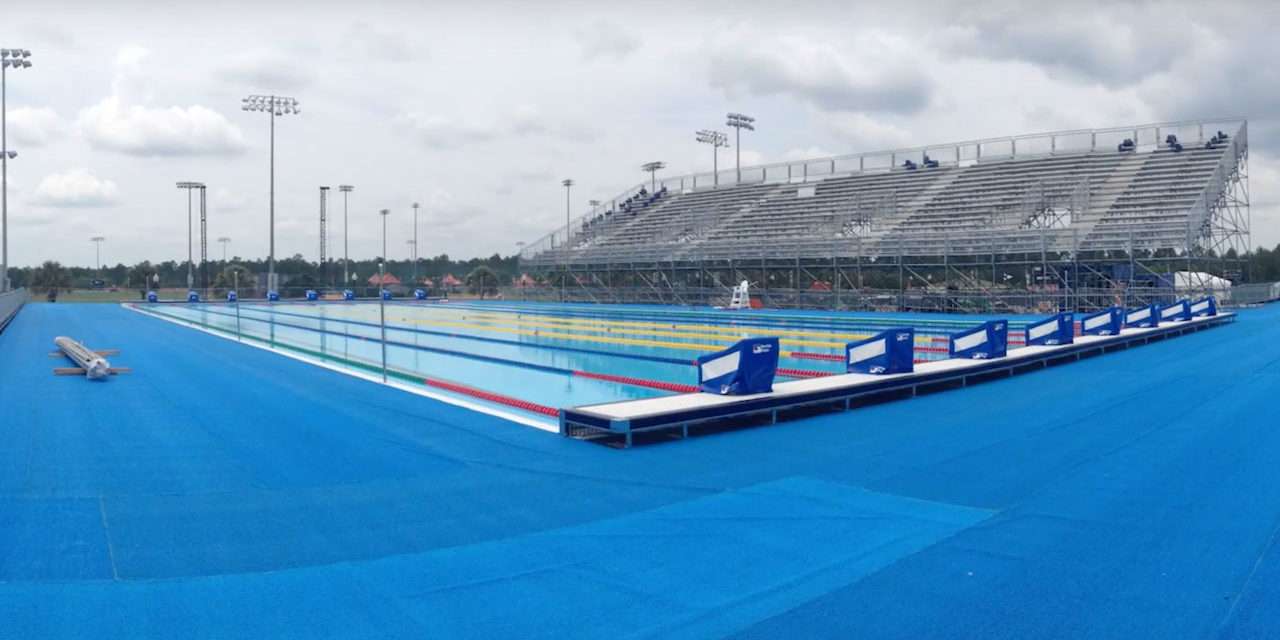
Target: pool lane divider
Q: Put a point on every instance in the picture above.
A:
(550, 347)
(353, 363)
(627, 380)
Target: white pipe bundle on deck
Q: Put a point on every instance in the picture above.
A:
(94, 365)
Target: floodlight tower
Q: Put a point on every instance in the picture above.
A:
(716, 139)
(17, 59)
(191, 264)
(324, 231)
(415, 242)
(97, 253)
(273, 106)
(568, 186)
(384, 213)
(652, 168)
(346, 256)
(739, 122)
(224, 240)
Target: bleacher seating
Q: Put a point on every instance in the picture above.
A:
(1150, 196)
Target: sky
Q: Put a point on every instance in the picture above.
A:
(477, 110)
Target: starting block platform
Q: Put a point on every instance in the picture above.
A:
(621, 421)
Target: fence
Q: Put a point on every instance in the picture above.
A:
(10, 303)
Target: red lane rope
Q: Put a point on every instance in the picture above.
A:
(803, 373)
(639, 382)
(492, 397)
(809, 355)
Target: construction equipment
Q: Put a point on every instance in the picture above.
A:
(90, 364)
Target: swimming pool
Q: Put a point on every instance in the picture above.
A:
(538, 357)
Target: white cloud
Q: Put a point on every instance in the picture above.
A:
(75, 188)
(865, 133)
(263, 71)
(445, 132)
(865, 73)
(607, 40)
(126, 123)
(34, 127)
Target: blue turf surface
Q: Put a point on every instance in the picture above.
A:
(224, 491)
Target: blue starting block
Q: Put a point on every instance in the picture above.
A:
(891, 351)
(273, 296)
(386, 294)
(1180, 310)
(1058, 329)
(312, 295)
(419, 294)
(192, 296)
(745, 368)
(1206, 306)
(1107, 322)
(988, 340)
(348, 295)
(1143, 317)
(152, 297)
(232, 297)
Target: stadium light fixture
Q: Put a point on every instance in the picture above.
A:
(739, 122)
(9, 59)
(384, 213)
(273, 106)
(652, 168)
(97, 253)
(224, 240)
(191, 276)
(716, 139)
(415, 242)
(346, 255)
(568, 185)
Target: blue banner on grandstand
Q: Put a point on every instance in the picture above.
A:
(988, 340)
(891, 351)
(1180, 310)
(1107, 322)
(1059, 329)
(747, 367)
(1206, 306)
(1143, 317)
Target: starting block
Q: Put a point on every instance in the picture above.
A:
(891, 351)
(745, 368)
(988, 340)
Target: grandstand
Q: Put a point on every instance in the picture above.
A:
(1071, 219)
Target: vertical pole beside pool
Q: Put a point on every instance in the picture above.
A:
(235, 286)
(382, 310)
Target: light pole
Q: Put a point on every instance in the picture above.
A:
(739, 122)
(415, 243)
(716, 139)
(224, 240)
(324, 234)
(274, 106)
(383, 278)
(346, 257)
(652, 168)
(17, 59)
(191, 276)
(97, 253)
(568, 186)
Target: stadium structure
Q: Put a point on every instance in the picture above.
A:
(1074, 220)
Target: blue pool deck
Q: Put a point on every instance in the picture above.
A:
(223, 491)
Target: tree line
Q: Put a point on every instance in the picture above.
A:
(293, 271)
